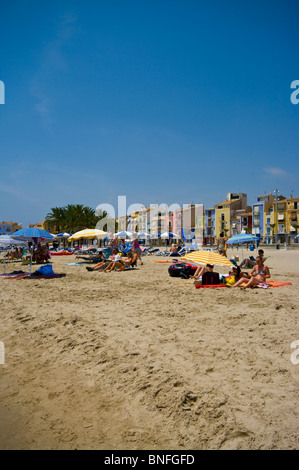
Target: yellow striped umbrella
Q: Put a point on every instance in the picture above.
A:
(208, 257)
(88, 233)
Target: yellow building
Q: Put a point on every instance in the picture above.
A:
(280, 218)
(269, 220)
(292, 216)
(38, 225)
(226, 214)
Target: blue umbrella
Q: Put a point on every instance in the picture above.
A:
(64, 235)
(167, 235)
(242, 238)
(33, 235)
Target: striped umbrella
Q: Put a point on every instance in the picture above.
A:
(88, 233)
(208, 257)
(8, 240)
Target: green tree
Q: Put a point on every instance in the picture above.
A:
(71, 218)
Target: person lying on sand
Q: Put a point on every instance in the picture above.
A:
(250, 263)
(98, 257)
(258, 275)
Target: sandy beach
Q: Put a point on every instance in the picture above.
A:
(139, 360)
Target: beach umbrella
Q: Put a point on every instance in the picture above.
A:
(33, 235)
(208, 257)
(144, 235)
(89, 234)
(124, 234)
(64, 235)
(8, 240)
(242, 238)
(166, 235)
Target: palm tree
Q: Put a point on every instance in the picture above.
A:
(72, 218)
(55, 219)
(272, 227)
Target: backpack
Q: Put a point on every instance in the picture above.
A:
(184, 270)
(209, 279)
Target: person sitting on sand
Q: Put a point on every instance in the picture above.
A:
(123, 262)
(198, 273)
(104, 263)
(237, 273)
(201, 270)
(114, 259)
(174, 250)
(250, 262)
(258, 275)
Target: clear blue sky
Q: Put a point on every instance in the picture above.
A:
(162, 101)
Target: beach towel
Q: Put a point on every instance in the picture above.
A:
(278, 284)
(163, 261)
(200, 286)
(73, 264)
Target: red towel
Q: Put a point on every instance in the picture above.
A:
(200, 286)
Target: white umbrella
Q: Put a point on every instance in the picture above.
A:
(124, 234)
(166, 235)
(144, 235)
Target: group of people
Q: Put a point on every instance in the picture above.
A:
(257, 276)
(17, 253)
(112, 260)
(41, 253)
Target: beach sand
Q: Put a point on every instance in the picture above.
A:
(139, 360)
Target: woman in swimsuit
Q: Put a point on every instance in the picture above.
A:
(258, 275)
(221, 244)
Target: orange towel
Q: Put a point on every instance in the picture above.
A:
(278, 284)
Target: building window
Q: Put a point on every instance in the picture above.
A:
(222, 217)
(256, 210)
(295, 205)
(281, 228)
(268, 221)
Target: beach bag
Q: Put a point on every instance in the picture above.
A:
(210, 278)
(184, 269)
(46, 270)
(230, 281)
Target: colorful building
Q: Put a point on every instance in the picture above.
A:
(262, 211)
(227, 212)
(8, 228)
(293, 218)
(209, 225)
